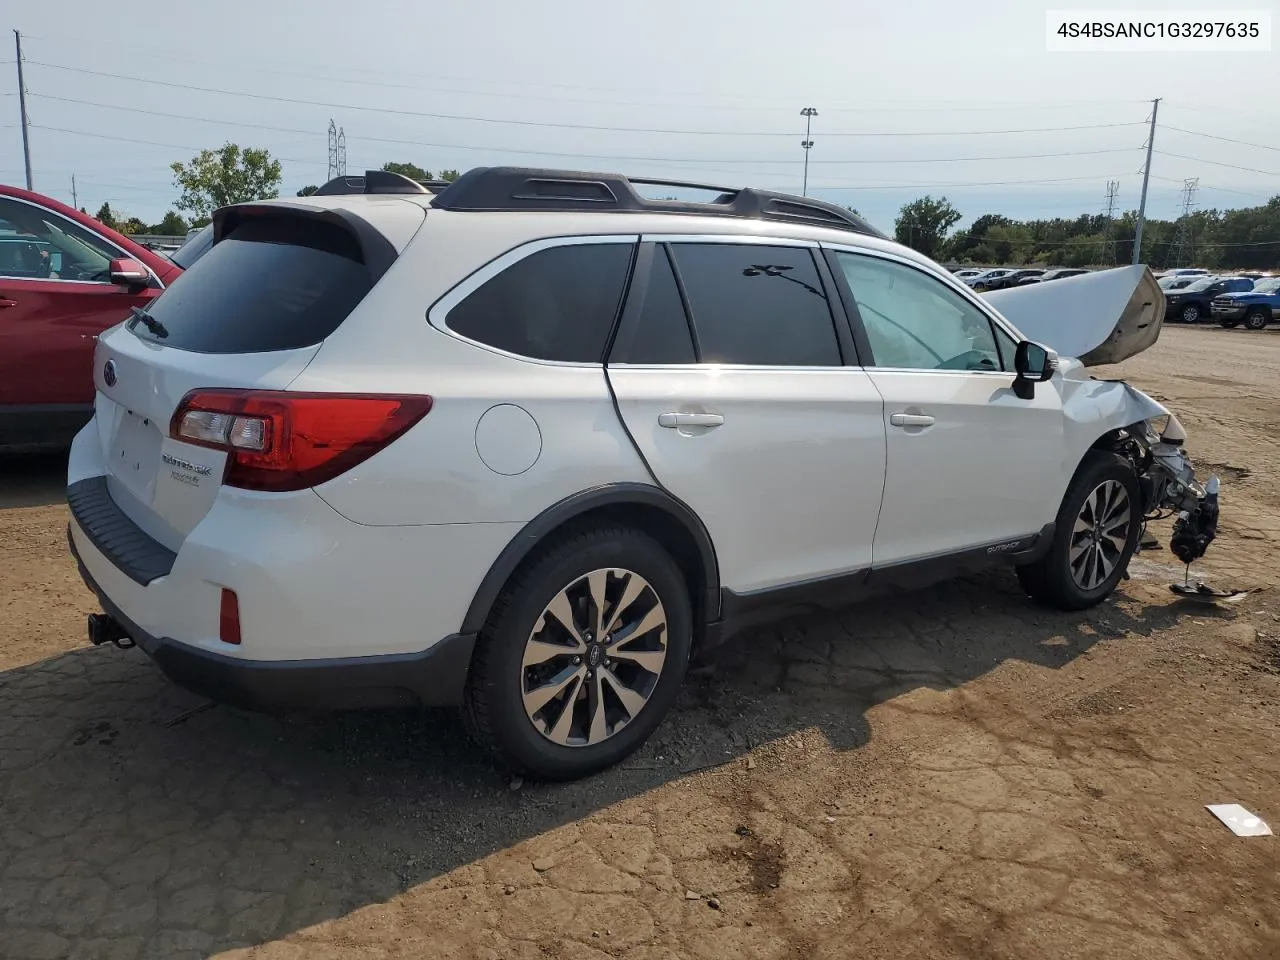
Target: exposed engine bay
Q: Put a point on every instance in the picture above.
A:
(1169, 485)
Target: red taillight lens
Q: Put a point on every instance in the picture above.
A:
(279, 441)
(229, 617)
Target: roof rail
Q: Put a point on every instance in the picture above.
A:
(378, 181)
(526, 188)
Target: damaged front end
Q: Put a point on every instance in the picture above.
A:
(1169, 485)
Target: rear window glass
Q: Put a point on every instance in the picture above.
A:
(196, 246)
(270, 284)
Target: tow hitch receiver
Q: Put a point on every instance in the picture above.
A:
(104, 628)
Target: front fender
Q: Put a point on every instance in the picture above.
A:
(1094, 408)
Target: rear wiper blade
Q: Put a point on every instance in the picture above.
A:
(150, 322)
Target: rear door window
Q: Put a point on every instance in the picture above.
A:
(273, 283)
(559, 303)
(757, 304)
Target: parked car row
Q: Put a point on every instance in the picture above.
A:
(1248, 299)
(1003, 278)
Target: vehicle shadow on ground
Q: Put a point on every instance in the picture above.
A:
(32, 479)
(131, 812)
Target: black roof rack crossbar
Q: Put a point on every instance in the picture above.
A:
(528, 189)
(379, 181)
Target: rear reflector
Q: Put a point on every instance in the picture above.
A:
(277, 440)
(229, 617)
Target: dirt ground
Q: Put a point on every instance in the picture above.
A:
(952, 774)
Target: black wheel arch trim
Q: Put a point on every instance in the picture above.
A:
(537, 530)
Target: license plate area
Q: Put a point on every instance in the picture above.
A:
(134, 453)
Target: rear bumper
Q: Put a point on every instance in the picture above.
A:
(434, 677)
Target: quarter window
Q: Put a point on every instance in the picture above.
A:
(757, 304)
(556, 304)
(915, 322)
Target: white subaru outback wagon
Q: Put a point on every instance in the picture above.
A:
(526, 442)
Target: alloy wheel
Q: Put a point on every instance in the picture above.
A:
(1190, 313)
(594, 657)
(1100, 534)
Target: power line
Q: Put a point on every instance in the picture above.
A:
(1214, 136)
(756, 104)
(1209, 186)
(563, 126)
(152, 143)
(589, 156)
(1219, 163)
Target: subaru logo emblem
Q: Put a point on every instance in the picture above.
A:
(109, 373)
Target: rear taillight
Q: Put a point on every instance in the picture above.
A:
(276, 440)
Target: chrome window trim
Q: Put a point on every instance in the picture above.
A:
(110, 243)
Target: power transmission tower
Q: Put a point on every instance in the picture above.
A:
(333, 150)
(1108, 215)
(342, 152)
(1184, 241)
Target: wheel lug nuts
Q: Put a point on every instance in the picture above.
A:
(576, 661)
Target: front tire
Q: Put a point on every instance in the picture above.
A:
(1257, 319)
(582, 656)
(1094, 538)
(1190, 313)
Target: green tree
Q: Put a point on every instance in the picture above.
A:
(923, 224)
(171, 226)
(308, 190)
(448, 176)
(410, 170)
(131, 225)
(215, 178)
(105, 217)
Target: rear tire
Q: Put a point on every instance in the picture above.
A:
(1257, 319)
(561, 714)
(1094, 538)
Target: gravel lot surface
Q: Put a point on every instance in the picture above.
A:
(954, 773)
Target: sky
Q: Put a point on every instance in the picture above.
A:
(913, 97)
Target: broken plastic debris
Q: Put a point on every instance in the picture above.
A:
(1206, 594)
(1239, 820)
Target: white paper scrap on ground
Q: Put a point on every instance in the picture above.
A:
(1240, 821)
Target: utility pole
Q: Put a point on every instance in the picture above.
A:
(1146, 177)
(808, 113)
(22, 109)
(75, 200)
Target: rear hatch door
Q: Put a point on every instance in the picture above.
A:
(250, 313)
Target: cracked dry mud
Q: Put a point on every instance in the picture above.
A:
(953, 773)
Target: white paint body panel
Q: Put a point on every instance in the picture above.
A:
(789, 485)
(987, 469)
(1102, 317)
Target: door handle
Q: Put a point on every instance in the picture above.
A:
(910, 420)
(675, 420)
(6, 302)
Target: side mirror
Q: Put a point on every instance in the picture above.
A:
(127, 272)
(1033, 364)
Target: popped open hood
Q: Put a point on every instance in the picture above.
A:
(1100, 318)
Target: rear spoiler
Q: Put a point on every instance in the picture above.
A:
(376, 251)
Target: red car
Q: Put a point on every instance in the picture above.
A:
(64, 278)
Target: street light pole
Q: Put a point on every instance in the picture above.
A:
(807, 144)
